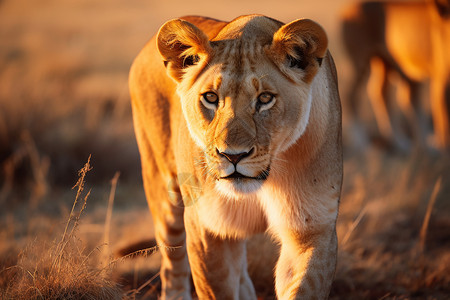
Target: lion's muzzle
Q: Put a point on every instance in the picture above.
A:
(235, 158)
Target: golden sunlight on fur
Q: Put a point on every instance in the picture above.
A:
(239, 130)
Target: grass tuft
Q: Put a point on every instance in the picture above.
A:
(61, 270)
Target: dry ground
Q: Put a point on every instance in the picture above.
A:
(63, 96)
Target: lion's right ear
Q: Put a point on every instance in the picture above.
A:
(443, 8)
(181, 44)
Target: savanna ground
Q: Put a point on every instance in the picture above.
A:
(64, 97)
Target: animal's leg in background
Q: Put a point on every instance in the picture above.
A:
(440, 110)
(417, 119)
(377, 89)
(358, 131)
(219, 266)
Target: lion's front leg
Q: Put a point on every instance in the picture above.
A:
(218, 266)
(306, 265)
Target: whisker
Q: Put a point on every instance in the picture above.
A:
(280, 159)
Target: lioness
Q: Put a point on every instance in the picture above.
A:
(411, 38)
(239, 130)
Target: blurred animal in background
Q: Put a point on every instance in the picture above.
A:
(412, 39)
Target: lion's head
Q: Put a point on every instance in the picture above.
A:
(246, 93)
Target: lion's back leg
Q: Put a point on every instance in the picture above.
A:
(171, 239)
(166, 207)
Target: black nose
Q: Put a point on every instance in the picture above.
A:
(235, 158)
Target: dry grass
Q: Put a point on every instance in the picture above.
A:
(388, 204)
(61, 270)
(63, 95)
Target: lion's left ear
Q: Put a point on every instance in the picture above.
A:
(181, 44)
(299, 45)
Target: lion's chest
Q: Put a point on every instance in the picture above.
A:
(238, 218)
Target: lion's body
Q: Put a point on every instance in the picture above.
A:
(195, 206)
(410, 38)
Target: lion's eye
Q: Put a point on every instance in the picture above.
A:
(210, 100)
(210, 97)
(265, 98)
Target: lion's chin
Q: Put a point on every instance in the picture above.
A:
(238, 187)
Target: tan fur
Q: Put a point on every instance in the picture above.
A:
(292, 147)
(411, 38)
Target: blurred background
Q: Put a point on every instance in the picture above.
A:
(64, 96)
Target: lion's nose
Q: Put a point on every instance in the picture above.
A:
(236, 157)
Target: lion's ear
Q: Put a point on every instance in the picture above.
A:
(181, 45)
(299, 45)
(443, 7)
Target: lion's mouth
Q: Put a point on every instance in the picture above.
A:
(236, 175)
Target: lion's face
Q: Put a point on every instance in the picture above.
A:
(241, 115)
(244, 102)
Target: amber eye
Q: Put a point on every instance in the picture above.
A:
(265, 98)
(210, 97)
